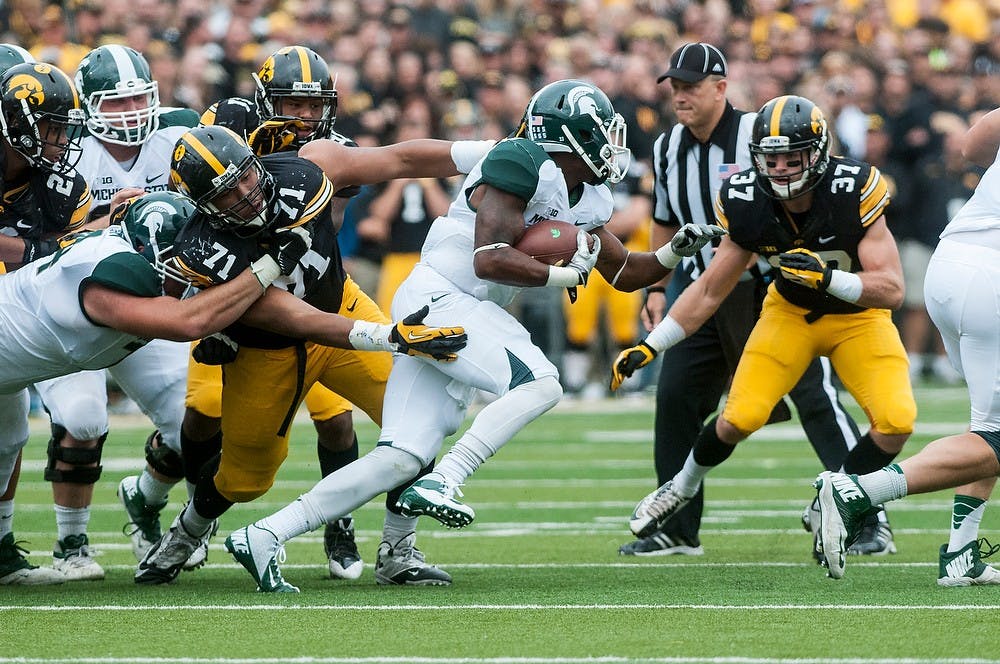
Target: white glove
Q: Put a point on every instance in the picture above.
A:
(687, 241)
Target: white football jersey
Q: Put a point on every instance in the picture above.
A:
(520, 167)
(44, 331)
(982, 211)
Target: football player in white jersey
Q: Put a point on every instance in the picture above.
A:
(88, 306)
(125, 151)
(570, 144)
(962, 291)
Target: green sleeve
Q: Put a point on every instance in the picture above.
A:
(512, 166)
(129, 273)
(171, 116)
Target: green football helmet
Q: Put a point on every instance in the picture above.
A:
(151, 223)
(209, 162)
(40, 115)
(12, 54)
(115, 73)
(575, 116)
(296, 71)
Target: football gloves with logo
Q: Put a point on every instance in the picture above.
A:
(583, 260)
(630, 360)
(805, 267)
(690, 238)
(215, 349)
(274, 135)
(412, 337)
(289, 245)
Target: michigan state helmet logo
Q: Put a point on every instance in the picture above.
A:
(581, 100)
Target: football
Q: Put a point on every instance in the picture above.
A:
(550, 242)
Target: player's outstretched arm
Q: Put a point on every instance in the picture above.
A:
(165, 317)
(283, 313)
(419, 158)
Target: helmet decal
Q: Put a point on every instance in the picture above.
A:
(27, 88)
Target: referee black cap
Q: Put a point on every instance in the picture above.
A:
(693, 62)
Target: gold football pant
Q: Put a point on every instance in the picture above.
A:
(263, 391)
(864, 349)
(396, 267)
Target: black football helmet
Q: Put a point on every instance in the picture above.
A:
(213, 162)
(790, 124)
(151, 223)
(296, 71)
(40, 115)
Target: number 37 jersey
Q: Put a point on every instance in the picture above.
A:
(850, 197)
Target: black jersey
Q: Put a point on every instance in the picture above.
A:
(851, 196)
(301, 194)
(44, 204)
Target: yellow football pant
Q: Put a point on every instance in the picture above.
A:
(621, 310)
(864, 349)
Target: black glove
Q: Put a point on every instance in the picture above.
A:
(412, 337)
(35, 249)
(628, 361)
(289, 245)
(215, 349)
(274, 135)
(805, 267)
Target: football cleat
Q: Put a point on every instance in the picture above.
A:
(434, 496)
(72, 558)
(843, 507)
(200, 554)
(143, 519)
(341, 550)
(15, 570)
(164, 560)
(965, 566)
(661, 544)
(258, 550)
(655, 510)
(403, 564)
(810, 523)
(875, 538)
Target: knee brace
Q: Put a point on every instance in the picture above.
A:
(75, 456)
(162, 459)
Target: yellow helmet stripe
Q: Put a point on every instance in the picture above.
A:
(304, 63)
(205, 153)
(775, 121)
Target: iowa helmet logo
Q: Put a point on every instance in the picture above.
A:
(24, 87)
(266, 73)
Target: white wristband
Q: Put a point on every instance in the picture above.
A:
(266, 270)
(563, 277)
(667, 257)
(845, 285)
(467, 154)
(667, 333)
(366, 335)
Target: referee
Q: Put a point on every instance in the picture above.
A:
(710, 143)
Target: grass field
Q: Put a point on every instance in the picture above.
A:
(537, 576)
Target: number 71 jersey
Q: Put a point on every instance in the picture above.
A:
(850, 197)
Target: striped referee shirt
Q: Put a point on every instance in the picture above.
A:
(689, 174)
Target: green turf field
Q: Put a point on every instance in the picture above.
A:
(537, 576)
